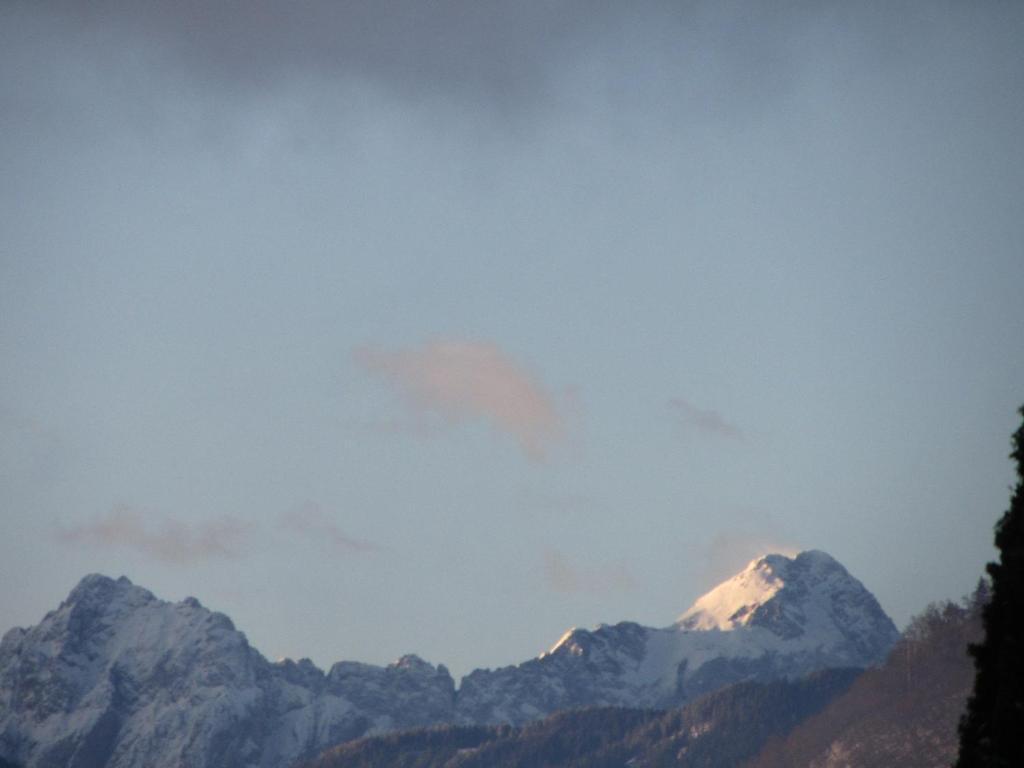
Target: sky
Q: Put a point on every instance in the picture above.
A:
(391, 327)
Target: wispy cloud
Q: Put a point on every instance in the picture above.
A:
(168, 540)
(311, 521)
(562, 575)
(472, 380)
(704, 421)
(730, 551)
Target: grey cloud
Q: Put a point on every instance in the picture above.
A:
(169, 541)
(499, 49)
(500, 53)
(311, 521)
(563, 575)
(704, 421)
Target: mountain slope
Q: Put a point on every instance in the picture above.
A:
(903, 713)
(116, 677)
(779, 617)
(720, 729)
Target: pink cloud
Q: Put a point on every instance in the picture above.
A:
(707, 422)
(562, 575)
(311, 521)
(472, 380)
(172, 541)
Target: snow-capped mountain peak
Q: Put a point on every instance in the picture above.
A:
(779, 617)
(810, 595)
(732, 603)
(565, 638)
(118, 677)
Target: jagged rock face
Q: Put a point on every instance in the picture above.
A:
(116, 677)
(780, 617)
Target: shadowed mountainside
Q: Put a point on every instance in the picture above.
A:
(903, 713)
(720, 729)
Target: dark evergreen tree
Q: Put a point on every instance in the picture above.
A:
(992, 730)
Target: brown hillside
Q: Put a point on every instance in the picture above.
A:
(904, 713)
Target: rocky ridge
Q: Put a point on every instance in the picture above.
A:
(779, 617)
(116, 677)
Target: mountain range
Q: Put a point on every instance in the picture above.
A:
(117, 677)
(723, 729)
(903, 713)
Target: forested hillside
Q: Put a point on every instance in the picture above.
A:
(721, 729)
(904, 713)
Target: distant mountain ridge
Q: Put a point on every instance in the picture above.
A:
(779, 617)
(722, 729)
(116, 677)
(902, 713)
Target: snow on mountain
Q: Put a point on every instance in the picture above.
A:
(116, 677)
(810, 597)
(732, 602)
(779, 617)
